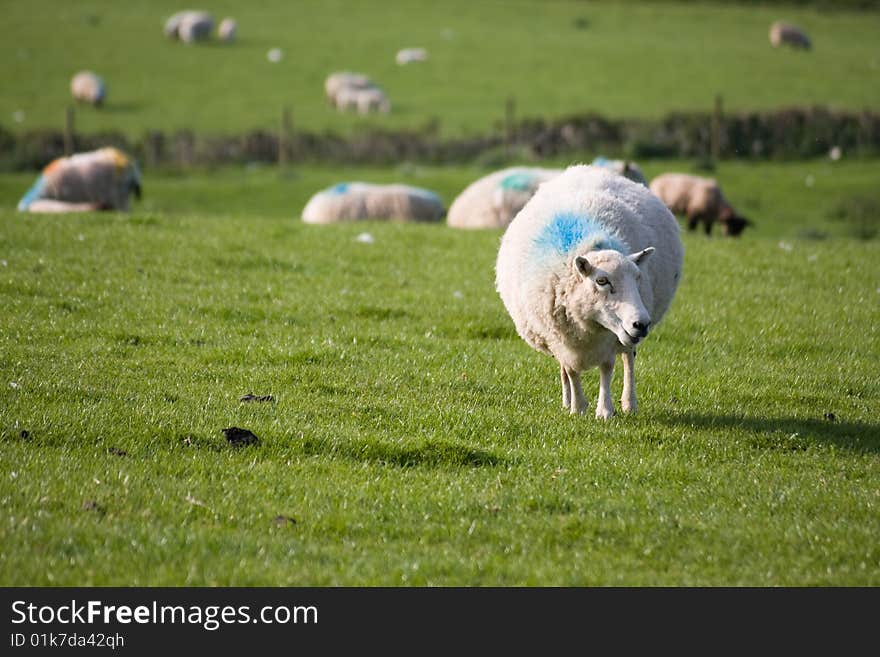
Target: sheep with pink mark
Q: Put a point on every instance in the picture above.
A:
(585, 270)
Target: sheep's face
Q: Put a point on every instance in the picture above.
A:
(610, 294)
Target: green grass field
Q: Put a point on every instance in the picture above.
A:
(414, 439)
(554, 57)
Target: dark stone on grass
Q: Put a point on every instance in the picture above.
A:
(115, 451)
(239, 437)
(284, 521)
(250, 397)
(831, 417)
(92, 505)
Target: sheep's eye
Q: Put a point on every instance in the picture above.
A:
(602, 281)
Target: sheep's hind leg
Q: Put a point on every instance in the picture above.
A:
(577, 401)
(628, 399)
(566, 389)
(604, 405)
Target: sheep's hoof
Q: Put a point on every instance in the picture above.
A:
(604, 413)
(627, 408)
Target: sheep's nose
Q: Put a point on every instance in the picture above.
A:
(642, 327)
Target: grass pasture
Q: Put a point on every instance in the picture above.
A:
(555, 57)
(414, 439)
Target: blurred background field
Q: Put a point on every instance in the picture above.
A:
(555, 57)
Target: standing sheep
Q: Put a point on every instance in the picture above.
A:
(782, 33)
(588, 266)
(493, 200)
(88, 87)
(700, 200)
(336, 82)
(96, 180)
(358, 201)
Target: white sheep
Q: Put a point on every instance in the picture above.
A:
(782, 33)
(410, 55)
(195, 26)
(96, 180)
(699, 200)
(493, 200)
(586, 268)
(372, 99)
(88, 87)
(359, 201)
(336, 82)
(227, 30)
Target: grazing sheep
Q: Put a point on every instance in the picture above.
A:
(700, 200)
(96, 180)
(372, 99)
(336, 82)
(782, 33)
(227, 30)
(409, 55)
(585, 269)
(493, 200)
(624, 168)
(195, 26)
(358, 201)
(88, 87)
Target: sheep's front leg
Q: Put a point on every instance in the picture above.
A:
(628, 399)
(604, 405)
(577, 401)
(566, 389)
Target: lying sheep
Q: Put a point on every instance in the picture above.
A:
(97, 180)
(358, 201)
(782, 33)
(493, 200)
(410, 55)
(227, 30)
(588, 266)
(700, 200)
(624, 168)
(88, 87)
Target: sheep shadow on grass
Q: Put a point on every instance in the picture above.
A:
(791, 433)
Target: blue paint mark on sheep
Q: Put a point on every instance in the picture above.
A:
(341, 188)
(32, 194)
(601, 161)
(520, 181)
(567, 230)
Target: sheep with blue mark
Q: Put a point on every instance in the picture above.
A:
(189, 26)
(360, 201)
(97, 180)
(585, 270)
(493, 200)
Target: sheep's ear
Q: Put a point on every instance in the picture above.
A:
(641, 256)
(583, 266)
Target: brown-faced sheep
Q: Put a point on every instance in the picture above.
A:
(700, 200)
(782, 33)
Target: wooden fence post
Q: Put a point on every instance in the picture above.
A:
(68, 131)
